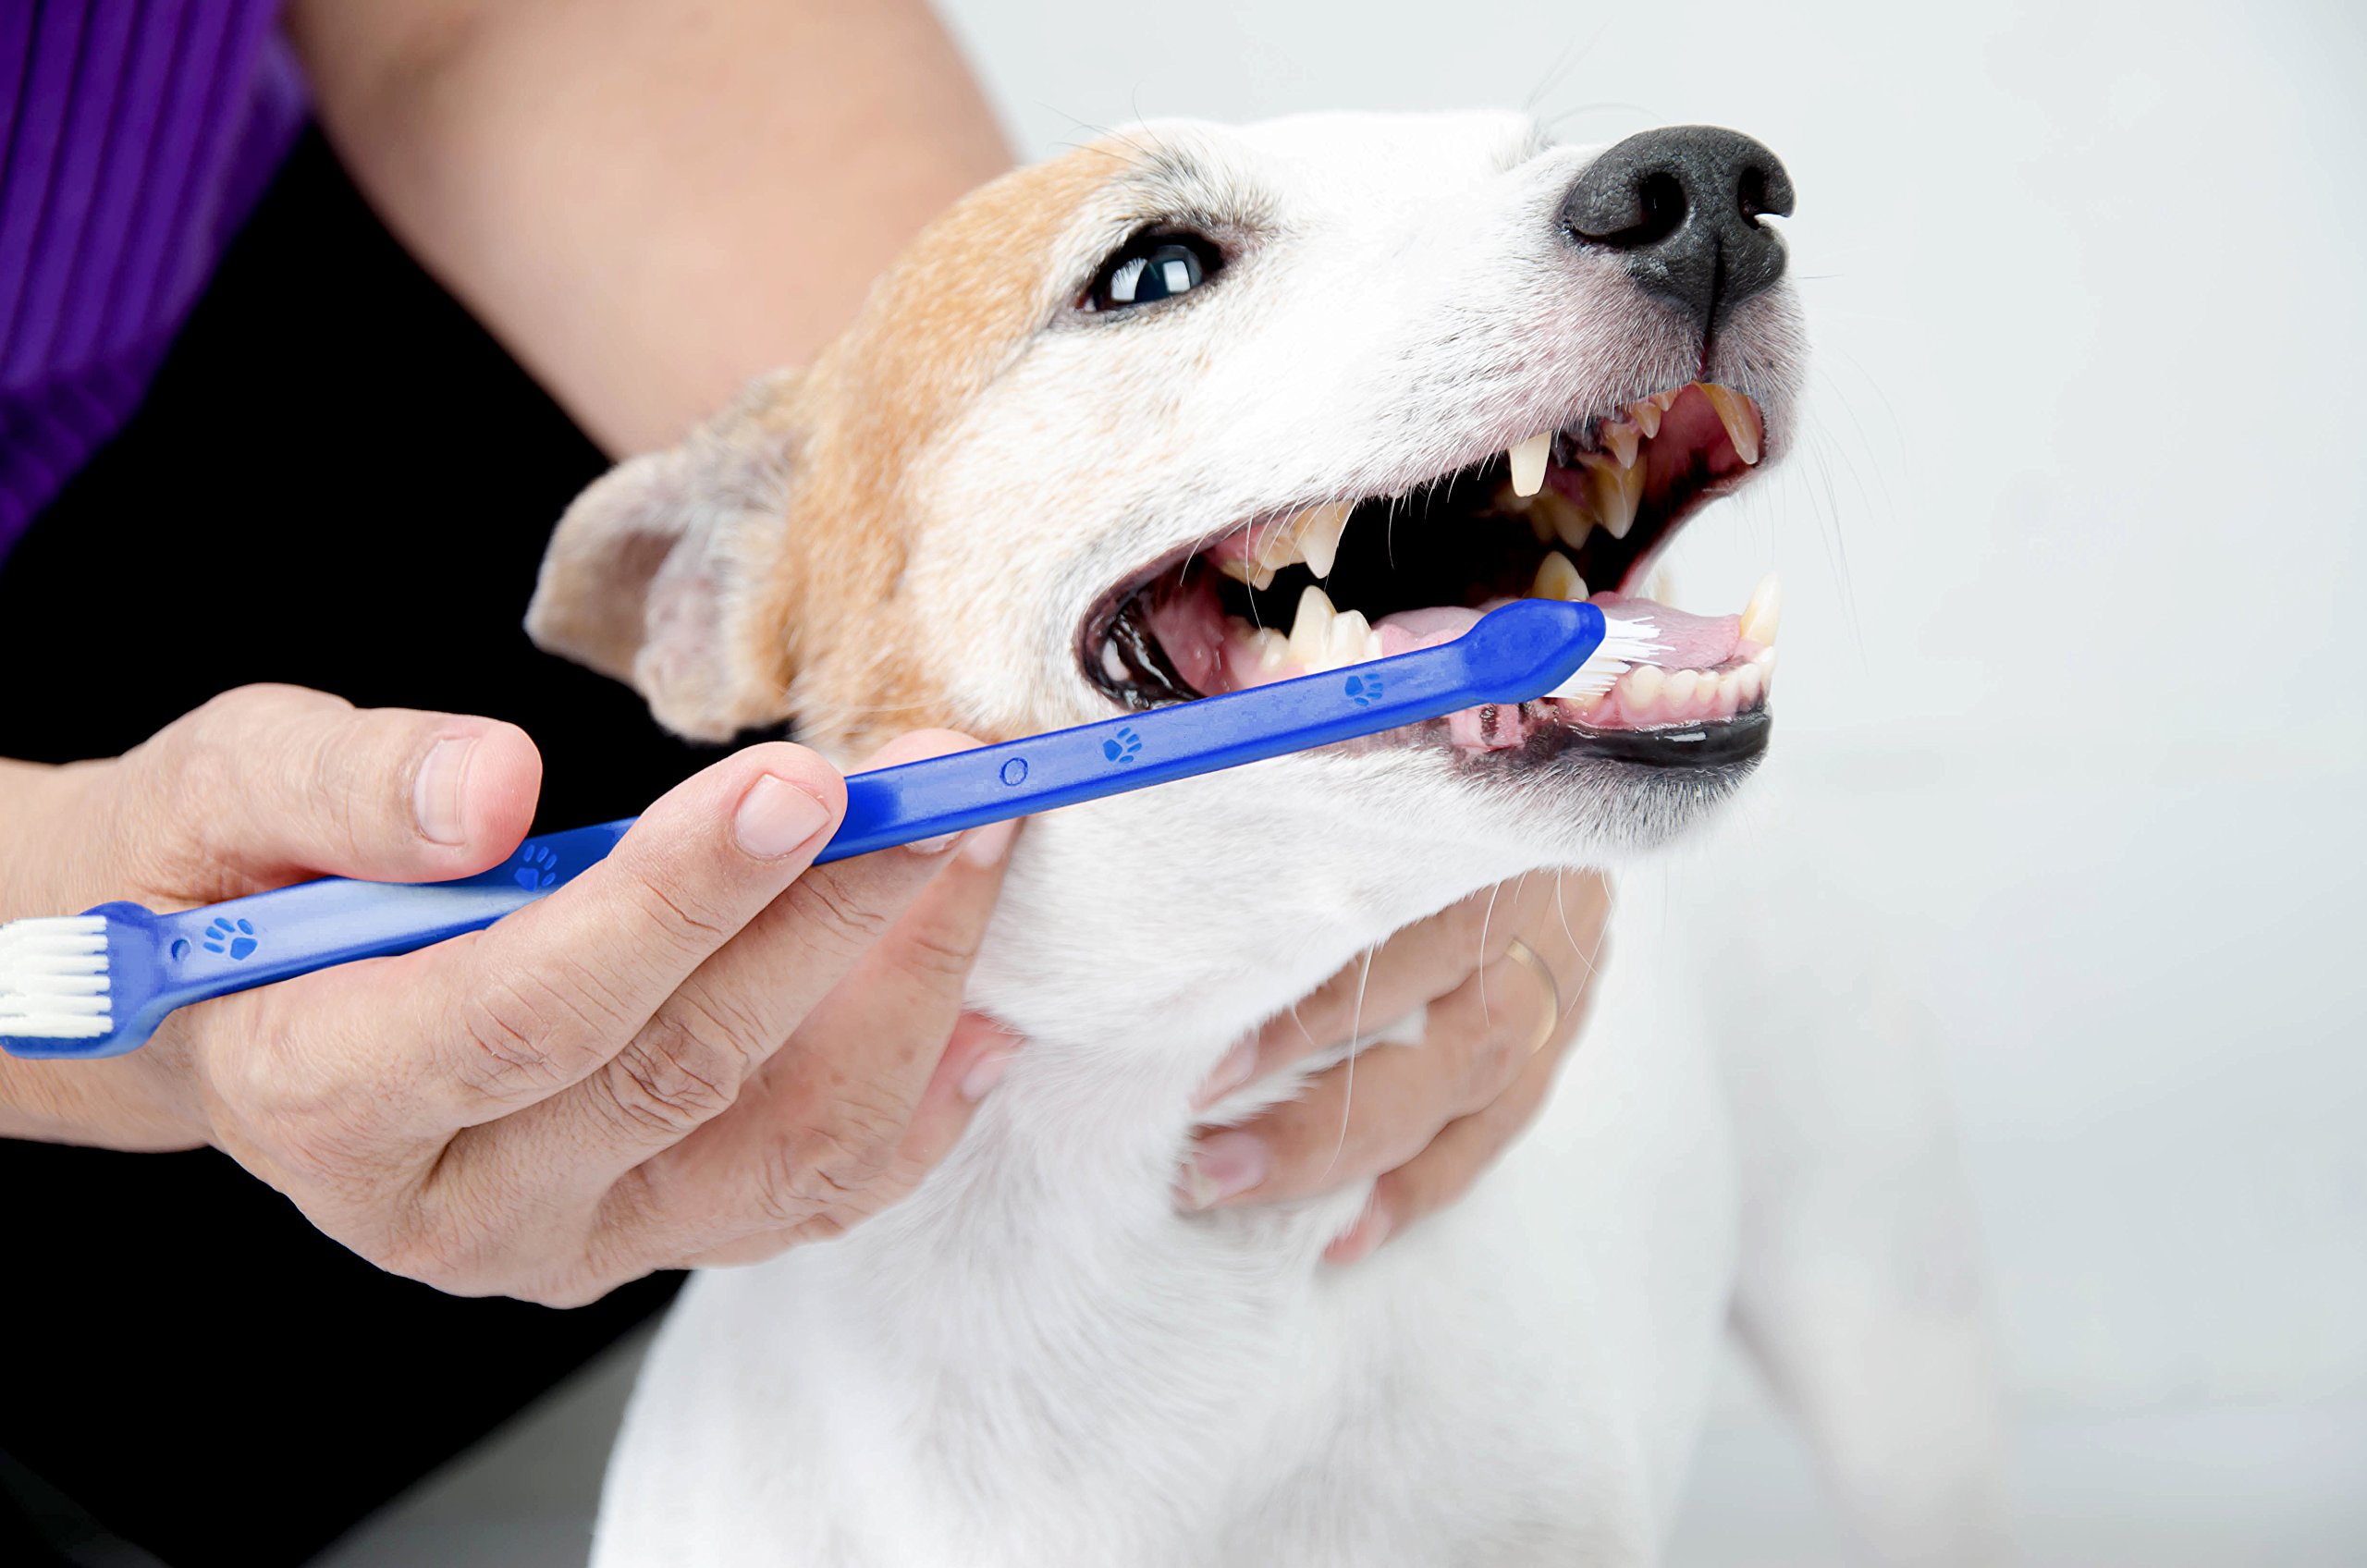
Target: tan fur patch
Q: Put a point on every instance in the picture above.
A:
(817, 622)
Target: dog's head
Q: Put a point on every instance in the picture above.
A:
(1194, 407)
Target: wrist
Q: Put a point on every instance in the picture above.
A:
(48, 867)
(54, 816)
(135, 1102)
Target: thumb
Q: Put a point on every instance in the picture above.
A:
(268, 785)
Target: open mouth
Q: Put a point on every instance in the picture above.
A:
(1575, 513)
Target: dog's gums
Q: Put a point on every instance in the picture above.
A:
(1593, 503)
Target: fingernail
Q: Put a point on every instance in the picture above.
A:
(936, 846)
(987, 1072)
(1366, 1233)
(776, 816)
(1225, 1163)
(1229, 1073)
(986, 846)
(435, 795)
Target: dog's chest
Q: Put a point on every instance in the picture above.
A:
(1038, 1361)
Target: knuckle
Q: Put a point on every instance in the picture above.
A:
(525, 1036)
(681, 1071)
(689, 922)
(831, 1169)
(1495, 1057)
(846, 919)
(938, 952)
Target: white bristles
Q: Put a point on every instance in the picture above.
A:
(1626, 643)
(54, 978)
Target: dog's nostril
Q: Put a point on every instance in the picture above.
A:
(1681, 206)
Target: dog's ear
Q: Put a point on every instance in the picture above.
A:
(649, 575)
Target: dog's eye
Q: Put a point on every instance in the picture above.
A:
(1151, 267)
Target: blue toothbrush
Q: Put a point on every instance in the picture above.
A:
(99, 983)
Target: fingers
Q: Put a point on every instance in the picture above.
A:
(975, 1061)
(1379, 1108)
(858, 1104)
(1385, 1108)
(863, 961)
(1422, 961)
(1445, 1170)
(268, 785)
(545, 998)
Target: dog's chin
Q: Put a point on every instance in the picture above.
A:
(1569, 798)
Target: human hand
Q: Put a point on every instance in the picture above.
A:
(1505, 974)
(698, 1052)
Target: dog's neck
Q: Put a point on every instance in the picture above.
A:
(1049, 1251)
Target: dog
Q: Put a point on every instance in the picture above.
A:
(1185, 410)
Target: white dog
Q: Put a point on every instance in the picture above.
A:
(1106, 435)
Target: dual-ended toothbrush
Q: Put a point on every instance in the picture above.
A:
(98, 983)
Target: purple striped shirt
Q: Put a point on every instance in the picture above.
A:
(135, 136)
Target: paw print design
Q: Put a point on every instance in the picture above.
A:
(1364, 689)
(1122, 747)
(236, 938)
(537, 869)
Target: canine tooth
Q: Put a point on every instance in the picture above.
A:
(1564, 518)
(1647, 415)
(1247, 572)
(1318, 536)
(1508, 500)
(1528, 459)
(1735, 414)
(1623, 439)
(1617, 492)
(1764, 614)
(1557, 579)
(1111, 664)
(1312, 630)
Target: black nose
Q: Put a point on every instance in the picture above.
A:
(1682, 205)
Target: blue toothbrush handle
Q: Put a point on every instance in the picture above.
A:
(1518, 652)
(159, 962)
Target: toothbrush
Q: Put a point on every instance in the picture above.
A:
(98, 983)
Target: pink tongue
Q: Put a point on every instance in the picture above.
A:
(1690, 641)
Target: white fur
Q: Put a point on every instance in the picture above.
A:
(1036, 1360)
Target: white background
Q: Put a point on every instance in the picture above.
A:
(2072, 709)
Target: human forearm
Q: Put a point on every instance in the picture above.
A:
(651, 203)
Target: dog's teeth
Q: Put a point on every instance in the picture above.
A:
(1564, 518)
(1247, 572)
(1350, 634)
(1640, 689)
(1319, 529)
(1764, 614)
(1679, 690)
(1557, 579)
(1749, 681)
(1311, 632)
(1623, 439)
(1617, 492)
(1111, 664)
(1734, 412)
(1647, 415)
(1278, 546)
(1527, 460)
